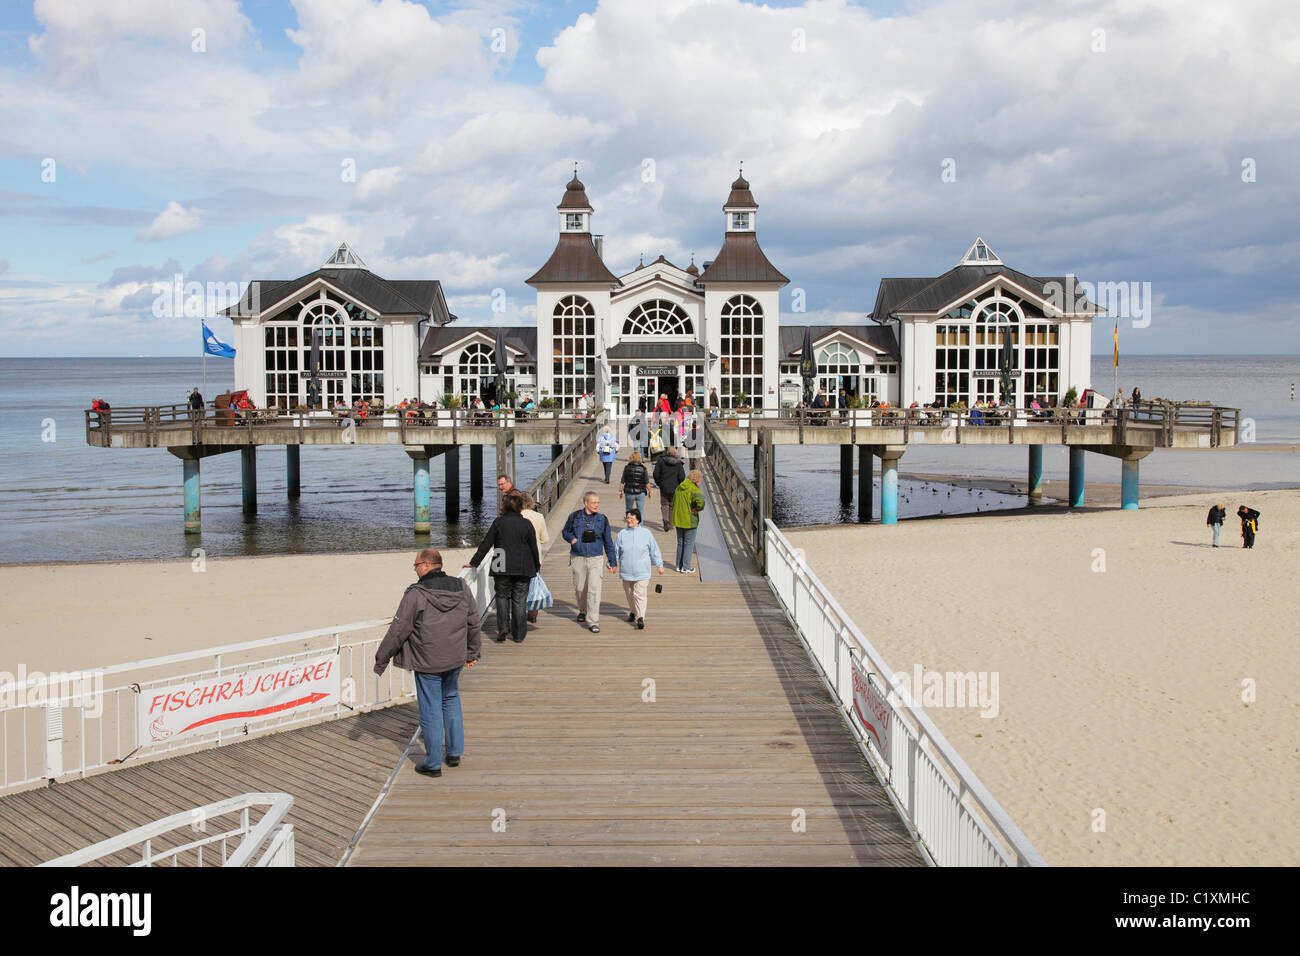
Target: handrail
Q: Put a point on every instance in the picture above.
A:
(938, 806)
(736, 490)
(270, 836)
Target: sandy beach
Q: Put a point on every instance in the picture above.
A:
(1124, 690)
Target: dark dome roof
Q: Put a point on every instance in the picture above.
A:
(740, 195)
(575, 195)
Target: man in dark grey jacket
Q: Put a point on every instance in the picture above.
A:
(435, 633)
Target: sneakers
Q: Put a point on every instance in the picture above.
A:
(640, 624)
(582, 618)
(595, 628)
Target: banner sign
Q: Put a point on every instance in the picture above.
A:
(232, 700)
(874, 711)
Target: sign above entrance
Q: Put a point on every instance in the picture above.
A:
(329, 375)
(656, 370)
(994, 373)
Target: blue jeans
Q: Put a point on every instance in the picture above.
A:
(440, 715)
(635, 501)
(686, 547)
(1217, 528)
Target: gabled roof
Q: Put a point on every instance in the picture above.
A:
(928, 296)
(441, 338)
(741, 260)
(878, 336)
(389, 297)
(574, 260)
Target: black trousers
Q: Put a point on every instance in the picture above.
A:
(512, 596)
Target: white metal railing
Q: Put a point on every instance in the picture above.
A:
(957, 819)
(266, 842)
(68, 724)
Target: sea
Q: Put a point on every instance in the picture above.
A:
(64, 501)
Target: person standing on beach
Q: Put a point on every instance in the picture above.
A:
(688, 502)
(1249, 525)
(435, 633)
(637, 551)
(588, 534)
(512, 542)
(668, 474)
(1215, 520)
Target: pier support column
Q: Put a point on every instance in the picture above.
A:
(889, 485)
(505, 459)
(191, 471)
(1129, 484)
(452, 462)
(248, 477)
(1076, 477)
(476, 472)
(866, 465)
(1035, 474)
(556, 451)
(421, 494)
(291, 465)
(846, 473)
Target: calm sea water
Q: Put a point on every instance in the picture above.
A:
(61, 500)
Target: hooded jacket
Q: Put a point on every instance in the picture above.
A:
(436, 627)
(669, 473)
(688, 502)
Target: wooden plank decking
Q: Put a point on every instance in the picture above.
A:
(740, 738)
(561, 745)
(333, 770)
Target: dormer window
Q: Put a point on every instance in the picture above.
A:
(573, 221)
(740, 220)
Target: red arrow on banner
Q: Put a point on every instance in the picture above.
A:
(309, 699)
(869, 726)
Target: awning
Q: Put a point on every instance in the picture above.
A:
(686, 353)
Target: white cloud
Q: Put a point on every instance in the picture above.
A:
(173, 221)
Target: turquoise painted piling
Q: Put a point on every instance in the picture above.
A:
(1035, 474)
(1076, 477)
(889, 491)
(1128, 490)
(248, 477)
(291, 464)
(421, 495)
(452, 465)
(192, 516)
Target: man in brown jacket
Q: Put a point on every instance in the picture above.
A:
(435, 633)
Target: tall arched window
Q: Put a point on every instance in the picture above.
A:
(477, 362)
(573, 347)
(837, 367)
(658, 317)
(742, 351)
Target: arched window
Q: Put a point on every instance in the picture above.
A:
(742, 351)
(477, 362)
(573, 347)
(658, 317)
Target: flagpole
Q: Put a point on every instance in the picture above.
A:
(205, 359)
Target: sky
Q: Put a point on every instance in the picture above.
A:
(1152, 143)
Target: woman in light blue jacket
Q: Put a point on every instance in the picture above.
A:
(607, 449)
(637, 551)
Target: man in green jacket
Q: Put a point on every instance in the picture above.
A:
(688, 502)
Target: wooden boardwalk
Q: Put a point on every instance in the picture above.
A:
(567, 762)
(739, 759)
(333, 770)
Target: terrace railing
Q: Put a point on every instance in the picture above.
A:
(177, 424)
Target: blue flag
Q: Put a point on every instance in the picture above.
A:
(214, 346)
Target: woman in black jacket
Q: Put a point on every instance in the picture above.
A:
(635, 483)
(515, 561)
(1215, 520)
(1249, 525)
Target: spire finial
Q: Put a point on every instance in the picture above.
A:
(642, 260)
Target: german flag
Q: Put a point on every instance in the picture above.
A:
(1116, 360)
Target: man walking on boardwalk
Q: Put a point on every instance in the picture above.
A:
(588, 534)
(435, 633)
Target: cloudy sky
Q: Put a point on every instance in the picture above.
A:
(228, 140)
